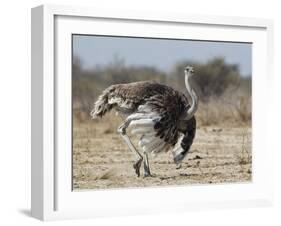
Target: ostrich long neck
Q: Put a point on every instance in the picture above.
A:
(194, 98)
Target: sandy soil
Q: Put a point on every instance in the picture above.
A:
(219, 154)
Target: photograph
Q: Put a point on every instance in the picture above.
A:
(155, 112)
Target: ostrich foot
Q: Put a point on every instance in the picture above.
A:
(137, 166)
(147, 170)
(148, 174)
(178, 166)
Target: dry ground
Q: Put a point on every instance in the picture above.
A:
(219, 154)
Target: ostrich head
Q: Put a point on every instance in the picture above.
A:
(189, 69)
(189, 72)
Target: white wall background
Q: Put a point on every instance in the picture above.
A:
(15, 111)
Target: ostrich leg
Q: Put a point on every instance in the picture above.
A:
(122, 130)
(139, 158)
(146, 166)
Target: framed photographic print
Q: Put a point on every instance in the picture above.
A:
(136, 112)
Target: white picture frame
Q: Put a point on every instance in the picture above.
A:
(52, 195)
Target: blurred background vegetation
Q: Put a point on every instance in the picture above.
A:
(225, 95)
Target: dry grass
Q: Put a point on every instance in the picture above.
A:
(245, 155)
(231, 110)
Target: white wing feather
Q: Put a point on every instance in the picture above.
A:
(144, 127)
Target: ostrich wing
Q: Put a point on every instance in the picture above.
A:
(171, 108)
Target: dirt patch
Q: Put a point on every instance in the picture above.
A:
(220, 154)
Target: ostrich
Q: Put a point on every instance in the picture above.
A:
(161, 116)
